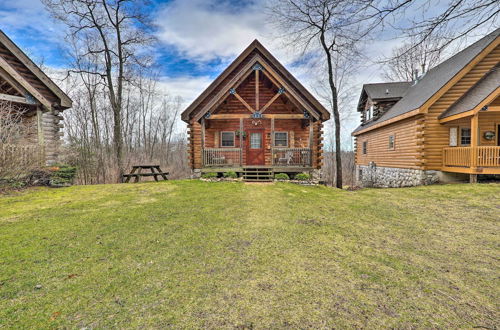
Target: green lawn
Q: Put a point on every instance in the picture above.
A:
(190, 254)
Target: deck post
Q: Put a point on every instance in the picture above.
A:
(241, 141)
(474, 141)
(203, 141)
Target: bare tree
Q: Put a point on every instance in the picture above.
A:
(111, 31)
(412, 59)
(322, 28)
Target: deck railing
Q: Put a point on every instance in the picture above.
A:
(488, 156)
(291, 157)
(17, 155)
(457, 156)
(215, 157)
(462, 156)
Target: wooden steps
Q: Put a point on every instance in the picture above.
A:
(258, 174)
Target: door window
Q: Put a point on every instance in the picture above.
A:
(255, 140)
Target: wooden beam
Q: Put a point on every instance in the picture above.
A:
(20, 79)
(244, 102)
(20, 89)
(257, 89)
(295, 98)
(271, 101)
(474, 140)
(233, 83)
(203, 132)
(272, 132)
(65, 100)
(16, 99)
(265, 116)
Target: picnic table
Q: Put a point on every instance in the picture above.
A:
(155, 171)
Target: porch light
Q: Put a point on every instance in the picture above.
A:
(306, 114)
(207, 115)
(485, 108)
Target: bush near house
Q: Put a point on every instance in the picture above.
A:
(281, 177)
(302, 177)
(231, 175)
(209, 175)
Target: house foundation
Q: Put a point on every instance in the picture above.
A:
(390, 177)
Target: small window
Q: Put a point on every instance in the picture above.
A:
(365, 147)
(391, 142)
(360, 175)
(369, 113)
(227, 139)
(281, 139)
(255, 140)
(465, 136)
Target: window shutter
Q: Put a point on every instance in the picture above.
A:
(291, 137)
(216, 139)
(453, 136)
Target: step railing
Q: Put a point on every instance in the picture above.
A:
(214, 157)
(291, 157)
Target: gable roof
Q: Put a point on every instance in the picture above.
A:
(476, 95)
(14, 62)
(383, 91)
(221, 82)
(435, 79)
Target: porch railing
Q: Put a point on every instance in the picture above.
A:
(488, 156)
(457, 156)
(462, 156)
(291, 157)
(214, 157)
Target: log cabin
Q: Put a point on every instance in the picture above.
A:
(255, 119)
(442, 127)
(26, 88)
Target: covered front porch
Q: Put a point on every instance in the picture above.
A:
(474, 142)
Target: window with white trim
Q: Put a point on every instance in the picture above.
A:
(465, 136)
(281, 139)
(227, 139)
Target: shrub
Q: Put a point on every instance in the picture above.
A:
(302, 177)
(62, 175)
(231, 175)
(209, 175)
(281, 176)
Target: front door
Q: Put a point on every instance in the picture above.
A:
(498, 135)
(255, 147)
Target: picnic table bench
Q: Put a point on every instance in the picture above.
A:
(155, 172)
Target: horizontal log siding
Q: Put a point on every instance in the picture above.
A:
(405, 153)
(436, 134)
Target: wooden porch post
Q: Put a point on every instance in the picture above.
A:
(241, 141)
(203, 141)
(272, 141)
(474, 143)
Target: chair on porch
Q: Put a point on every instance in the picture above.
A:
(286, 159)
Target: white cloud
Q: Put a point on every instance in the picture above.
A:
(185, 86)
(204, 30)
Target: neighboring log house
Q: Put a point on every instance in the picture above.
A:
(441, 127)
(255, 119)
(26, 87)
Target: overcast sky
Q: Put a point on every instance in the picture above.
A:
(197, 40)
